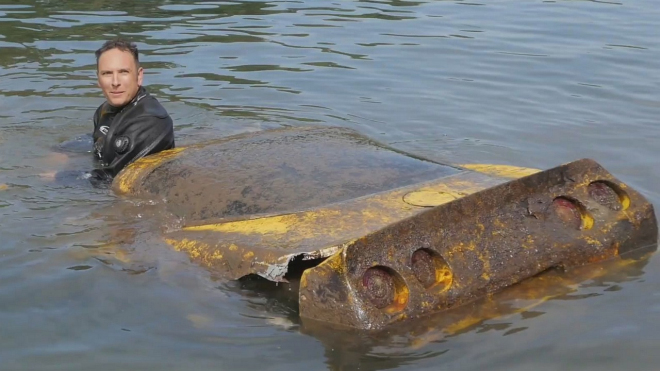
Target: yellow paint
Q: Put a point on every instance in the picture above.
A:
(327, 228)
(3, 187)
(400, 299)
(587, 220)
(248, 255)
(505, 171)
(499, 224)
(365, 213)
(429, 198)
(625, 201)
(444, 278)
(470, 247)
(126, 180)
(279, 224)
(335, 263)
(486, 268)
(592, 241)
(217, 255)
(194, 248)
(303, 284)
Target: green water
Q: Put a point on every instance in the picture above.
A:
(530, 83)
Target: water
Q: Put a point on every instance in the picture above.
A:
(533, 83)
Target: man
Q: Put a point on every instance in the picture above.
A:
(131, 123)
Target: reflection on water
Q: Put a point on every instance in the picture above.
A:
(85, 280)
(505, 313)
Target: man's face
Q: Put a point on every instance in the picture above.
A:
(118, 76)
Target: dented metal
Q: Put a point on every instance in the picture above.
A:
(399, 237)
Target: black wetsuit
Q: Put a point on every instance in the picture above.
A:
(125, 134)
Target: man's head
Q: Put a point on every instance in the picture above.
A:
(118, 71)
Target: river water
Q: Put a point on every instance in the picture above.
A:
(84, 284)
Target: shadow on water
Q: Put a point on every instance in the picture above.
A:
(408, 342)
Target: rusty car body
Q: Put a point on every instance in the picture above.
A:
(387, 236)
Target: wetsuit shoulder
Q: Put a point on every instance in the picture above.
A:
(142, 128)
(149, 106)
(146, 121)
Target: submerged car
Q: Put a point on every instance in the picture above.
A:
(382, 236)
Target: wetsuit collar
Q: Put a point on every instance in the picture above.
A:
(141, 93)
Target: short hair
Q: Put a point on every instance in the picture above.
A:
(121, 44)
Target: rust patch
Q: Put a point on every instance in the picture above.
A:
(488, 241)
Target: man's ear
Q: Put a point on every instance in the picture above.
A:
(98, 79)
(140, 76)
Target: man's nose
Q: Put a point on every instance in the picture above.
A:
(115, 79)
